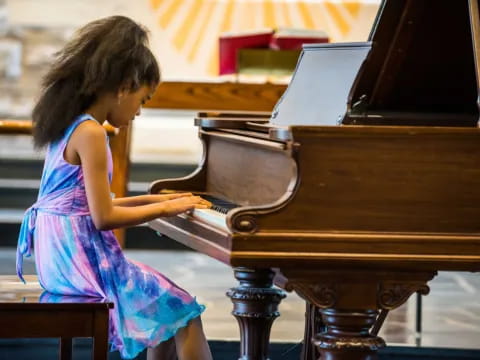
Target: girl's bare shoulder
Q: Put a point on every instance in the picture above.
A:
(89, 134)
(89, 130)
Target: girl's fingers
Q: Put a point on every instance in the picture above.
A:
(206, 203)
(194, 198)
(201, 206)
(178, 195)
(190, 200)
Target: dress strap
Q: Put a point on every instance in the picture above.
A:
(78, 120)
(58, 147)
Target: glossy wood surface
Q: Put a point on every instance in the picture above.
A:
(242, 167)
(13, 291)
(27, 311)
(419, 66)
(120, 144)
(365, 194)
(13, 126)
(216, 96)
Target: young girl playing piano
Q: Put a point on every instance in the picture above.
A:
(105, 73)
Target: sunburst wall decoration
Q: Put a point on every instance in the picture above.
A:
(192, 27)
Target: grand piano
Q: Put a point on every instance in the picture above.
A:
(361, 184)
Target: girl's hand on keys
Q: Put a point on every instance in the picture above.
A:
(185, 204)
(156, 198)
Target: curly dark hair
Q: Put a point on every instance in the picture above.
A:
(106, 55)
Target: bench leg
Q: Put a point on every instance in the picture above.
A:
(65, 349)
(100, 336)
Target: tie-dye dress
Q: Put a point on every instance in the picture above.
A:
(74, 258)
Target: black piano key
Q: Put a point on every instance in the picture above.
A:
(220, 205)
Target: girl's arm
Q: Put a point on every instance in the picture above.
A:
(89, 142)
(146, 199)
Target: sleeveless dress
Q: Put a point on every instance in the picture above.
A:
(74, 258)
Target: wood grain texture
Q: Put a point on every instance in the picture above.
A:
(247, 173)
(24, 313)
(384, 179)
(18, 127)
(366, 196)
(216, 96)
(120, 145)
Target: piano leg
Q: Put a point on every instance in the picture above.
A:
(255, 306)
(347, 335)
(350, 302)
(313, 325)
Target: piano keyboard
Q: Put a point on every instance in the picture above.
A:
(217, 214)
(219, 205)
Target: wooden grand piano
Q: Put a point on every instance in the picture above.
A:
(363, 183)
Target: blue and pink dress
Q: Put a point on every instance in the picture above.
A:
(74, 258)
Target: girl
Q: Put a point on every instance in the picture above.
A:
(104, 74)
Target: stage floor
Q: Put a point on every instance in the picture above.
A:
(450, 316)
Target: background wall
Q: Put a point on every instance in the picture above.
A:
(184, 33)
(184, 37)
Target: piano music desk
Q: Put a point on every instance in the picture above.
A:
(27, 311)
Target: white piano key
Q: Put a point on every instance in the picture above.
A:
(211, 217)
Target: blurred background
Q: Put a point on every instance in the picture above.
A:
(189, 38)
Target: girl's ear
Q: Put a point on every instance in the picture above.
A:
(120, 94)
(122, 91)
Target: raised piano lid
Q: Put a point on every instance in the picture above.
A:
(318, 91)
(421, 69)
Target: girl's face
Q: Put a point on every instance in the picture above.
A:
(128, 105)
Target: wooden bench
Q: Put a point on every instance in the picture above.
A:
(27, 311)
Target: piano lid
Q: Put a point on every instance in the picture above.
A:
(421, 69)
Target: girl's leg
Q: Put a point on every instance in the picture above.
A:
(165, 351)
(191, 342)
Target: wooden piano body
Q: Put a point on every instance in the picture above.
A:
(364, 182)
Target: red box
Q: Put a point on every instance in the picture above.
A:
(230, 43)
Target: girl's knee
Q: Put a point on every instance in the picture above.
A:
(197, 321)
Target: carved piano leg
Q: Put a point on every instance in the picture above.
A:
(255, 306)
(313, 325)
(347, 336)
(350, 302)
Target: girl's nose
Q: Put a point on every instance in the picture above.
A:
(138, 111)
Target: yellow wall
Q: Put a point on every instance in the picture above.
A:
(184, 33)
(191, 27)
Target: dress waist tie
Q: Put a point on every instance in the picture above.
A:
(60, 202)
